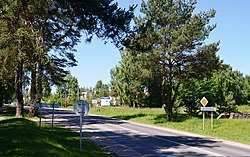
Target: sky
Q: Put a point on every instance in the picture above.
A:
(95, 60)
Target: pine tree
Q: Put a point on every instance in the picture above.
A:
(172, 27)
(42, 36)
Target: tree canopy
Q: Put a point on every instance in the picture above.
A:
(40, 36)
(172, 27)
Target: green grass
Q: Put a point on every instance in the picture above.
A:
(229, 129)
(22, 137)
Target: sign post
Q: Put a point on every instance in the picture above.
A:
(81, 129)
(203, 116)
(81, 108)
(40, 120)
(204, 103)
(53, 117)
(204, 109)
(212, 120)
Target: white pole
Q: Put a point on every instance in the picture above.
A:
(78, 92)
(81, 128)
(53, 113)
(203, 120)
(212, 120)
(40, 121)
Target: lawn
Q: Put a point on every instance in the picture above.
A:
(22, 137)
(229, 129)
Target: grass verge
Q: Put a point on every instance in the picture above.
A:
(22, 137)
(237, 130)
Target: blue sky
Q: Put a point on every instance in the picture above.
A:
(95, 60)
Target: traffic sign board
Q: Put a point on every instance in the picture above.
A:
(204, 101)
(209, 109)
(81, 106)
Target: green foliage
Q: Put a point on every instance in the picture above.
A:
(243, 108)
(6, 91)
(100, 90)
(177, 34)
(40, 36)
(68, 91)
(134, 79)
(225, 89)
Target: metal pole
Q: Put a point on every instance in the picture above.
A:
(78, 92)
(61, 98)
(81, 128)
(203, 120)
(40, 121)
(212, 120)
(65, 99)
(53, 112)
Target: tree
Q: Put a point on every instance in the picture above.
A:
(231, 89)
(17, 43)
(247, 78)
(7, 91)
(225, 89)
(47, 31)
(101, 89)
(172, 27)
(69, 90)
(133, 80)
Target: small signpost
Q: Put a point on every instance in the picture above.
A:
(204, 109)
(53, 115)
(40, 119)
(40, 108)
(81, 108)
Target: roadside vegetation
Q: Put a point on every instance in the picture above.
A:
(166, 66)
(22, 137)
(166, 61)
(237, 130)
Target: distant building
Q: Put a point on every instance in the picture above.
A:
(105, 101)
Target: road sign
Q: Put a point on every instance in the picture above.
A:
(81, 108)
(81, 105)
(204, 101)
(94, 102)
(209, 109)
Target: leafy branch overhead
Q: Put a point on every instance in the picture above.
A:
(43, 34)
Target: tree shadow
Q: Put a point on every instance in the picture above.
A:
(129, 139)
(177, 117)
(21, 137)
(128, 117)
(9, 111)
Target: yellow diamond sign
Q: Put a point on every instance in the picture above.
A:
(204, 101)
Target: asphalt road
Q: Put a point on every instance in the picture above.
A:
(131, 139)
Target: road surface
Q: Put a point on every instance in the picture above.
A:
(131, 139)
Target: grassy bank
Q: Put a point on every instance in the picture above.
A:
(229, 129)
(22, 137)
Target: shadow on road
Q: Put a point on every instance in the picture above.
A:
(125, 142)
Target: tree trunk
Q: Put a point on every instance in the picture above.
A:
(163, 94)
(169, 101)
(39, 82)
(18, 86)
(163, 86)
(170, 91)
(32, 110)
